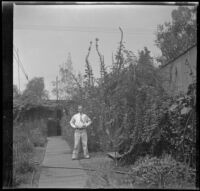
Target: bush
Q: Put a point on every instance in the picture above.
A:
(162, 173)
(21, 166)
(22, 153)
(67, 130)
(18, 179)
(24, 166)
(25, 136)
(37, 138)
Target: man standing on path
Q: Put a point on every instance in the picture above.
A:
(80, 122)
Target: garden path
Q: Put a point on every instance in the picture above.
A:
(66, 174)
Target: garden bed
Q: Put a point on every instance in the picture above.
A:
(145, 173)
(31, 179)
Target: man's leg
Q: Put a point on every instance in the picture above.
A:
(77, 137)
(84, 143)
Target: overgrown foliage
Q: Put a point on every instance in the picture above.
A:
(27, 133)
(26, 136)
(175, 37)
(34, 96)
(132, 114)
(65, 85)
(162, 173)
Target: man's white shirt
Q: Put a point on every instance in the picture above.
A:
(80, 120)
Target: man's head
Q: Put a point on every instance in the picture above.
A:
(80, 108)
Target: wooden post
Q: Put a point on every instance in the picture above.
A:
(57, 89)
(57, 105)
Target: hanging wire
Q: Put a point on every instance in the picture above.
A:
(19, 62)
(141, 31)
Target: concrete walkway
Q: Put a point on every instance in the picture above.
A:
(58, 154)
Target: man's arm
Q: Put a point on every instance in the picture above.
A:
(72, 122)
(88, 121)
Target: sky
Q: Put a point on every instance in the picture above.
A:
(45, 34)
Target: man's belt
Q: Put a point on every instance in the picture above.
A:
(80, 128)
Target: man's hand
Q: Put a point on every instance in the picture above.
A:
(76, 127)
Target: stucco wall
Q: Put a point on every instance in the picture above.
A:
(177, 73)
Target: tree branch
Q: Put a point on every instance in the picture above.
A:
(89, 49)
(88, 64)
(75, 79)
(120, 49)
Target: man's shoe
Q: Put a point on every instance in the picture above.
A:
(74, 157)
(87, 157)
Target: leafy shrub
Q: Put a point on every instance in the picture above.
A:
(165, 172)
(24, 166)
(21, 141)
(37, 123)
(17, 178)
(67, 130)
(22, 153)
(37, 138)
(178, 127)
(25, 137)
(27, 148)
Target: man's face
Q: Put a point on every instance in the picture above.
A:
(80, 109)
